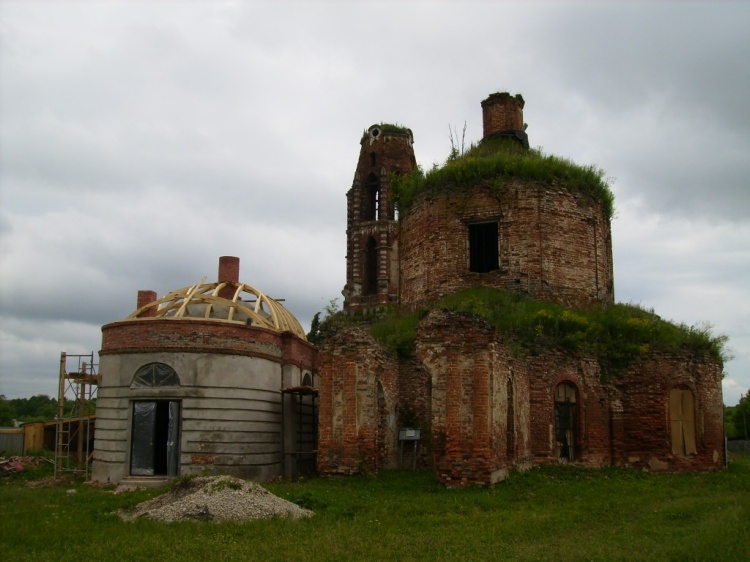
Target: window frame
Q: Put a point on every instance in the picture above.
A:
(483, 238)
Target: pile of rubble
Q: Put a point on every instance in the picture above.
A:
(12, 465)
(215, 498)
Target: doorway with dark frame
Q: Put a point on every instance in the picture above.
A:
(154, 449)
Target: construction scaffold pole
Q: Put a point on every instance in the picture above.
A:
(75, 413)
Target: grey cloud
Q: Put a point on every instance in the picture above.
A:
(139, 142)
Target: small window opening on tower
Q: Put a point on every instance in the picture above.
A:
(373, 159)
(371, 203)
(483, 247)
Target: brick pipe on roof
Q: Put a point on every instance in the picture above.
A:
(502, 112)
(144, 298)
(229, 272)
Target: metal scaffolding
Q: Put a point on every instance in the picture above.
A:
(76, 413)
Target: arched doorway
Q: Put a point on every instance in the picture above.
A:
(155, 431)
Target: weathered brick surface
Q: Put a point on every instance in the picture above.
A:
(380, 156)
(479, 403)
(490, 412)
(358, 405)
(484, 411)
(502, 112)
(553, 245)
(205, 336)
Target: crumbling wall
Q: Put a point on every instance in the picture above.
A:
(358, 389)
(553, 245)
(625, 420)
(643, 432)
(479, 403)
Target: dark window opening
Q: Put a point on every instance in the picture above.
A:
(483, 247)
(371, 268)
(373, 159)
(371, 203)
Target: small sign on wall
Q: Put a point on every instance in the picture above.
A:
(408, 434)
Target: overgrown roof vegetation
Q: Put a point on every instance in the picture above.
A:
(495, 162)
(386, 128)
(615, 336)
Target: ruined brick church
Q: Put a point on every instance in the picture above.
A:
(464, 404)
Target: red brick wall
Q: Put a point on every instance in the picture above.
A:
(205, 336)
(471, 372)
(393, 153)
(502, 112)
(229, 272)
(553, 245)
(351, 439)
(625, 421)
(644, 425)
(144, 298)
(460, 382)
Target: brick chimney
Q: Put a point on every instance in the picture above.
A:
(144, 298)
(502, 115)
(229, 272)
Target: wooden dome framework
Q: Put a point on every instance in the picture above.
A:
(202, 301)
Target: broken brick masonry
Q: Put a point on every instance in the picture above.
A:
(482, 410)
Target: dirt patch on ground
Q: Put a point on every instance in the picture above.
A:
(215, 498)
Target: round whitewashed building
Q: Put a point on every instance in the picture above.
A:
(215, 377)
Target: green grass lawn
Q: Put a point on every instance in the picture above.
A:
(550, 513)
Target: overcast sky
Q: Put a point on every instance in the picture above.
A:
(140, 141)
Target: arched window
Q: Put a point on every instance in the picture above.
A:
(565, 419)
(307, 380)
(371, 203)
(153, 375)
(371, 267)
(682, 421)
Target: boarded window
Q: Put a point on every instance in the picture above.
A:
(483, 247)
(155, 374)
(682, 420)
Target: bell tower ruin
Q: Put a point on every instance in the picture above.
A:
(372, 225)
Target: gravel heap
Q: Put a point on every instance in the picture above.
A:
(215, 498)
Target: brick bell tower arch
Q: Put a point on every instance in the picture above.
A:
(372, 225)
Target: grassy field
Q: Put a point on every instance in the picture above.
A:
(550, 513)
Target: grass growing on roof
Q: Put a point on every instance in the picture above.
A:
(616, 335)
(495, 161)
(386, 128)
